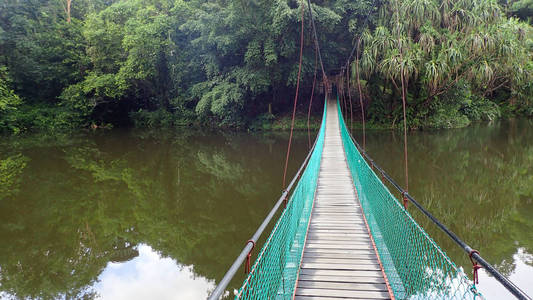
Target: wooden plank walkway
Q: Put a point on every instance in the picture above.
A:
(339, 260)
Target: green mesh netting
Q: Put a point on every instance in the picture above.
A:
(415, 265)
(275, 270)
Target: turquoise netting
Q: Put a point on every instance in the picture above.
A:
(275, 270)
(416, 267)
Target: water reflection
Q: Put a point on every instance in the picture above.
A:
(70, 205)
(521, 276)
(150, 276)
(479, 182)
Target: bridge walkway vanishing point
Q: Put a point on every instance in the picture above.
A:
(339, 259)
(341, 234)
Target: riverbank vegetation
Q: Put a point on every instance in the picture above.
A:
(157, 63)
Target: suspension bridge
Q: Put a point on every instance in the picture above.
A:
(340, 233)
(338, 257)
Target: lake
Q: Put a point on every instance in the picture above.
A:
(141, 214)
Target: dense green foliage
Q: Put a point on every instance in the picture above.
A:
(225, 63)
(522, 9)
(459, 61)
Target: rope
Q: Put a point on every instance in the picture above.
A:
(360, 92)
(365, 22)
(350, 97)
(405, 157)
(311, 100)
(404, 95)
(324, 76)
(296, 95)
(247, 264)
(347, 65)
(475, 266)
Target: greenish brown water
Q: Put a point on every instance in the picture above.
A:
(74, 209)
(479, 182)
(161, 215)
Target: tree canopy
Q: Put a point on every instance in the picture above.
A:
(70, 64)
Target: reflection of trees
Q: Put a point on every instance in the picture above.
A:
(476, 180)
(10, 169)
(195, 198)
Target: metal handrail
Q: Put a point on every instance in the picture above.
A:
(219, 290)
(509, 285)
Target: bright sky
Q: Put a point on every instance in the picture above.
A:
(522, 276)
(149, 276)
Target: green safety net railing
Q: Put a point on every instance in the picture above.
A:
(416, 267)
(274, 273)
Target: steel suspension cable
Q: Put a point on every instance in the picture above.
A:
(365, 23)
(360, 91)
(347, 66)
(296, 95)
(404, 96)
(311, 100)
(317, 45)
(350, 97)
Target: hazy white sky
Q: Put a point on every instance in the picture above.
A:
(149, 276)
(522, 276)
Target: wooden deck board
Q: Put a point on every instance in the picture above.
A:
(339, 260)
(353, 279)
(362, 255)
(353, 294)
(342, 285)
(353, 265)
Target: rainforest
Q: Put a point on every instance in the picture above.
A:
(67, 65)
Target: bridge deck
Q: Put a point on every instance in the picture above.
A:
(339, 259)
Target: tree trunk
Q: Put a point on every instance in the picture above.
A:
(67, 10)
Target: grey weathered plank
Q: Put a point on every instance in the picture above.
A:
(329, 278)
(339, 221)
(354, 265)
(333, 210)
(354, 294)
(342, 285)
(332, 231)
(360, 255)
(342, 218)
(317, 298)
(342, 261)
(340, 246)
(341, 273)
(338, 227)
(337, 239)
(340, 252)
(337, 242)
(334, 223)
(345, 234)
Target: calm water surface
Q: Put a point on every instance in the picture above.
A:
(479, 182)
(162, 215)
